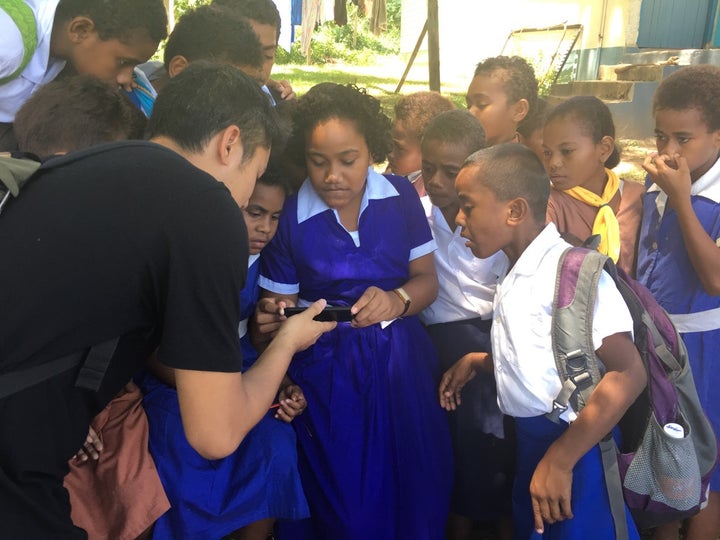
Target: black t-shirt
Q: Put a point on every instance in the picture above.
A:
(122, 239)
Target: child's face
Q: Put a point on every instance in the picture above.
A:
(440, 165)
(405, 156)
(111, 61)
(684, 132)
(262, 214)
(267, 35)
(337, 158)
(482, 216)
(487, 100)
(572, 158)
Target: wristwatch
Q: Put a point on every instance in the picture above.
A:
(405, 297)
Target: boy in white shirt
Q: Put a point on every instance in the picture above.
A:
(559, 487)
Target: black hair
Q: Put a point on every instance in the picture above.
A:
(511, 171)
(73, 113)
(262, 11)
(326, 101)
(273, 177)
(119, 19)
(214, 33)
(519, 81)
(206, 98)
(457, 127)
(417, 109)
(593, 117)
(692, 87)
(535, 118)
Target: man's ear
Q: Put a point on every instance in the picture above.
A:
(176, 65)
(230, 147)
(517, 211)
(80, 28)
(520, 110)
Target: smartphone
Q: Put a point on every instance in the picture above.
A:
(330, 313)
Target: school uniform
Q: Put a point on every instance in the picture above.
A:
(458, 322)
(375, 453)
(528, 381)
(664, 267)
(213, 498)
(39, 71)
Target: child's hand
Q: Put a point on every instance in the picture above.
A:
(376, 305)
(455, 378)
(269, 315)
(550, 491)
(671, 173)
(90, 450)
(292, 403)
(283, 88)
(301, 331)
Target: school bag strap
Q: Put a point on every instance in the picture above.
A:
(24, 18)
(15, 171)
(94, 363)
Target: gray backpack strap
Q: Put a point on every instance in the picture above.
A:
(613, 485)
(576, 284)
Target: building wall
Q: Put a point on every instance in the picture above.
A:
(471, 30)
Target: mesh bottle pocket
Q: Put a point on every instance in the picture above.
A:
(665, 469)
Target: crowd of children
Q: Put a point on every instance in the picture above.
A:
(423, 416)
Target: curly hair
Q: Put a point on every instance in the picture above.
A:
(692, 87)
(416, 110)
(262, 11)
(458, 128)
(119, 19)
(593, 117)
(518, 77)
(327, 101)
(214, 33)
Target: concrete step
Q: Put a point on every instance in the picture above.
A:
(684, 56)
(636, 72)
(605, 90)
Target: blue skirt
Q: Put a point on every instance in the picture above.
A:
(213, 498)
(592, 517)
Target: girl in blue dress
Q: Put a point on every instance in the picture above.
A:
(375, 456)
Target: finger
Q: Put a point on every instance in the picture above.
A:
(283, 416)
(363, 301)
(555, 511)
(682, 164)
(315, 308)
(566, 508)
(537, 517)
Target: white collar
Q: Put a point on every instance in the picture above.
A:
(530, 259)
(708, 185)
(310, 204)
(252, 259)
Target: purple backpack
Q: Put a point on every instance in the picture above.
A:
(663, 474)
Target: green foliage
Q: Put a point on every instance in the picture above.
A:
(181, 6)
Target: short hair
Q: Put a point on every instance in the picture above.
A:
(519, 79)
(593, 117)
(535, 118)
(74, 113)
(417, 109)
(214, 33)
(327, 101)
(273, 177)
(119, 19)
(457, 127)
(692, 87)
(262, 11)
(206, 98)
(511, 171)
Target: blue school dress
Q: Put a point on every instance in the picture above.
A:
(375, 455)
(665, 269)
(213, 498)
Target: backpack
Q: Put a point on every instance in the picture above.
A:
(662, 478)
(24, 18)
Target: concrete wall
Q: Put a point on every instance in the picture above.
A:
(471, 30)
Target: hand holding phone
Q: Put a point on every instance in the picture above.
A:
(329, 313)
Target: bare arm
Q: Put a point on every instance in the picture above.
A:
(703, 252)
(550, 487)
(376, 305)
(218, 409)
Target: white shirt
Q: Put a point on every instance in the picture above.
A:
(525, 372)
(467, 284)
(40, 70)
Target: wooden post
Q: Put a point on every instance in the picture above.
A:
(412, 56)
(433, 45)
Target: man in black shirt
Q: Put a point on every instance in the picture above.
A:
(144, 241)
